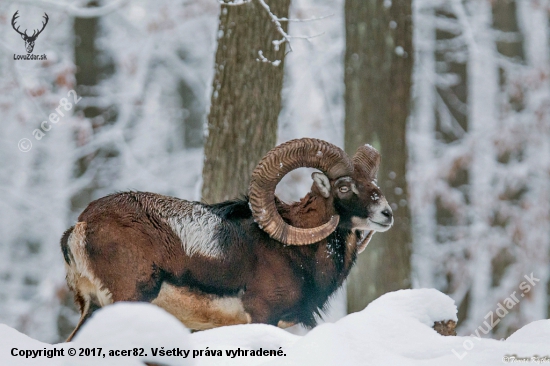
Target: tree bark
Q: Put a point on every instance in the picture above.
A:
(378, 77)
(87, 73)
(246, 98)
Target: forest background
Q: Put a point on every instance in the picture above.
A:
(180, 96)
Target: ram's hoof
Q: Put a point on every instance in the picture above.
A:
(283, 324)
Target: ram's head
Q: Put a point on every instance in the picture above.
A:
(349, 185)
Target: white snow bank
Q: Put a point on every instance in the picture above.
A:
(126, 326)
(532, 333)
(396, 329)
(122, 326)
(10, 338)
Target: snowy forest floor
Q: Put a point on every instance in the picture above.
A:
(396, 329)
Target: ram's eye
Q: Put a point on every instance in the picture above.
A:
(344, 189)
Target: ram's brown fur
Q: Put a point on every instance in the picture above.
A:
(212, 265)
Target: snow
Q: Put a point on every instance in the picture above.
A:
(10, 338)
(150, 326)
(395, 329)
(532, 332)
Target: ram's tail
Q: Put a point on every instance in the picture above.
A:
(80, 278)
(65, 245)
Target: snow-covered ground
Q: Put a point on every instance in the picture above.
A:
(396, 329)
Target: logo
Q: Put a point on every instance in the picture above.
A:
(29, 40)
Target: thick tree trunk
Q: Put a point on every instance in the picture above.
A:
(87, 77)
(246, 98)
(378, 64)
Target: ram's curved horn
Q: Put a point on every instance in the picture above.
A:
(367, 159)
(306, 152)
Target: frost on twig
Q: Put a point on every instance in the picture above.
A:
(277, 22)
(285, 36)
(306, 20)
(234, 2)
(262, 58)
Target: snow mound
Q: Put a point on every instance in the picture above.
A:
(245, 337)
(396, 329)
(426, 306)
(532, 333)
(11, 338)
(125, 326)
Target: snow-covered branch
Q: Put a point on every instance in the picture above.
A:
(275, 20)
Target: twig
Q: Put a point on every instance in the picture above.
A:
(307, 38)
(234, 2)
(460, 12)
(306, 20)
(262, 58)
(277, 23)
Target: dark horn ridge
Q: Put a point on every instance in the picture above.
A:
(367, 158)
(278, 162)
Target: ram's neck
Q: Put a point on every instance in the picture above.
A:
(311, 211)
(329, 261)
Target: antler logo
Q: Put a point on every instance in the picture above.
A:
(29, 40)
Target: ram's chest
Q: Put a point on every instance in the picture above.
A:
(334, 260)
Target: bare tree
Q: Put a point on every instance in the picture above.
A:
(479, 149)
(378, 76)
(246, 96)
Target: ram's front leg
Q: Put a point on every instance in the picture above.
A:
(201, 311)
(269, 302)
(261, 312)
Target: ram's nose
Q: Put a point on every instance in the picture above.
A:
(388, 214)
(382, 216)
(385, 215)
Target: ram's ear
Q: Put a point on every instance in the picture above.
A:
(322, 182)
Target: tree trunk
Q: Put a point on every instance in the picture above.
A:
(246, 98)
(378, 65)
(87, 76)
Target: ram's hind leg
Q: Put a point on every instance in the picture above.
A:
(200, 311)
(87, 308)
(87, 300)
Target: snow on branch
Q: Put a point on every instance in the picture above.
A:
(285, 36)
(467, 28)
(234, 2)
(306, 20)
(262, 58)
(277, 23)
